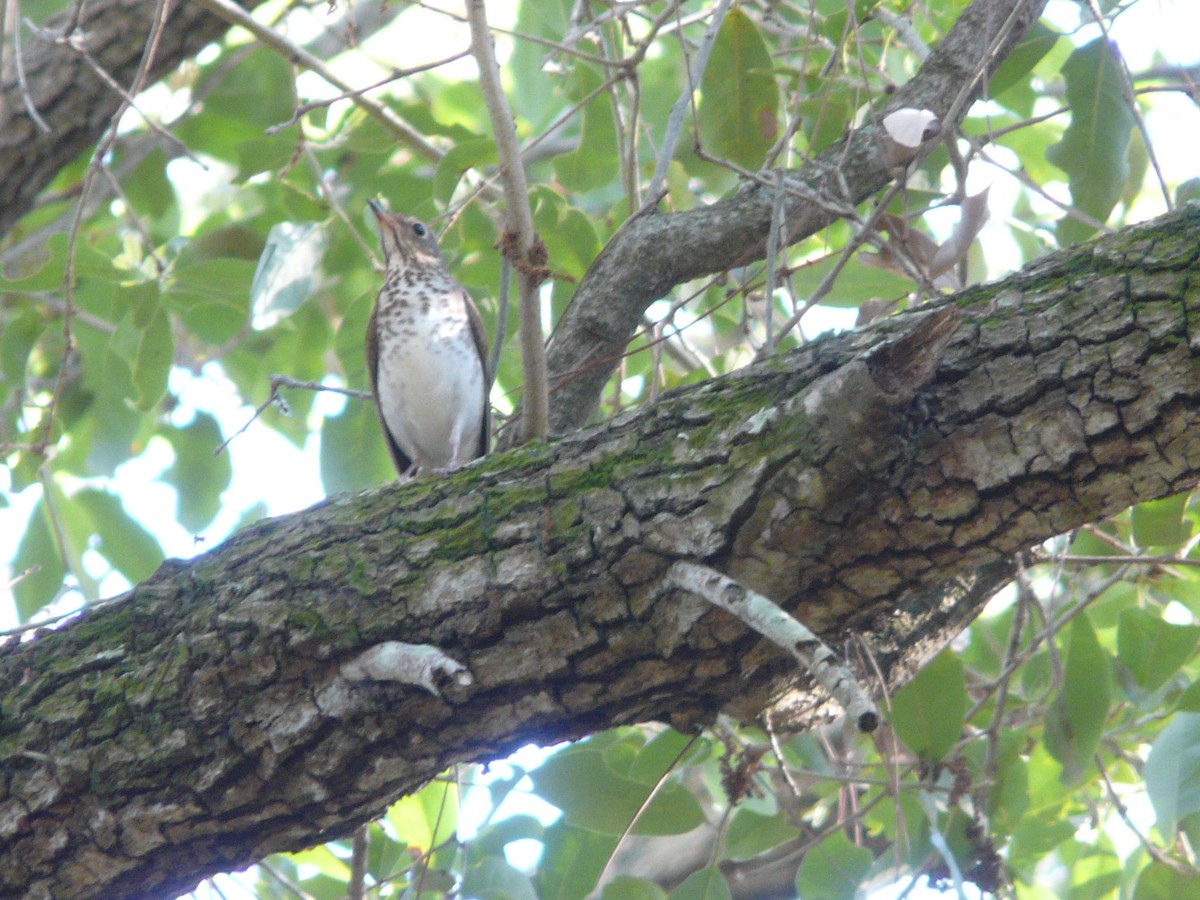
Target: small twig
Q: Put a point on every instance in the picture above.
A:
(235, 15)
(18, 60)
(1155, 852)
(776, 238)
(76, 46)
(662, 779)
(769, 620)
(304, 109)
(1164, 560)
(332, 199)
(1130, 96)
(528, 251)
(284, 381)
(501, 331)
(1011, 649)
(355, 886)
(284, 881)
(866, 229)
(89, 180)
(903, 27)
(675, 120)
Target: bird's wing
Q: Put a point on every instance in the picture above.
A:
(479, 335)
(399, 457)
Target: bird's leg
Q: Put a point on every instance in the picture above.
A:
(455, 451)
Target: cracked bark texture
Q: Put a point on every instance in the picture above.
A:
(877, 483)
(71, 98)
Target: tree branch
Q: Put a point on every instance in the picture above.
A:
(520, 242)
(654, 253)
(73, 100)
(877, 484)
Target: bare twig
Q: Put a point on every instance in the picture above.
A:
(774, 623)
(528, 252)
(358, 863)
(19, 64)
(501, 332)
(304, 109)
(1130, 97)
(235, 15)
(633, 820)
(284, 381)
(68, 282)
(866, 229)
(76, 45)
(675, 120)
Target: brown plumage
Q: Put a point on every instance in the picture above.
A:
(426, 354)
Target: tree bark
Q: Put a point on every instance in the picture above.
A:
(878, 484)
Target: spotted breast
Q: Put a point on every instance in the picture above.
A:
(426, 354)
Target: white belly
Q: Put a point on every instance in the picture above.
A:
(431, 392)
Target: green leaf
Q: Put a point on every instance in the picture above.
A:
(590, 164)
(494, 838)
(349, 343)
(1093, 150)
(572, 861)
(535, 93)
(428, 817)
(626, 887)
(1188, 192)
(1075, 721)
(353, 454)
(659, 753)
(147, 187)
(198, 476)
(739, 98)
(706, 884)
(591, 795)
(474, 154)
(212, 297)
(833, 869)
(129, 547)
(37, 564)
(1158, 881)
(1015, 69)
(752, 833)
(1173, 772)
(928, 712)
(1153, 650)
(1161, 522)
(143, 339)
(255, 94)
(1189, 700)
(264, 154)
(855, 284)
(286, 273)
(494, 879)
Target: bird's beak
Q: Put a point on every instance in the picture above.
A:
(380, 212)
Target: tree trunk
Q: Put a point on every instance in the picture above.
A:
(877, 483)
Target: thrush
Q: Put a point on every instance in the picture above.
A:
(426, 354)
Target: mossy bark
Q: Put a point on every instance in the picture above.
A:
(879, 484)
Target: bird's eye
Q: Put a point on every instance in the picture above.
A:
(419, 229)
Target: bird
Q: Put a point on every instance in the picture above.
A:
(426, 354)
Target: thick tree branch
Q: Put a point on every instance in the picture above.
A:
(877, 484)
(654, 253)
(74, 101)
